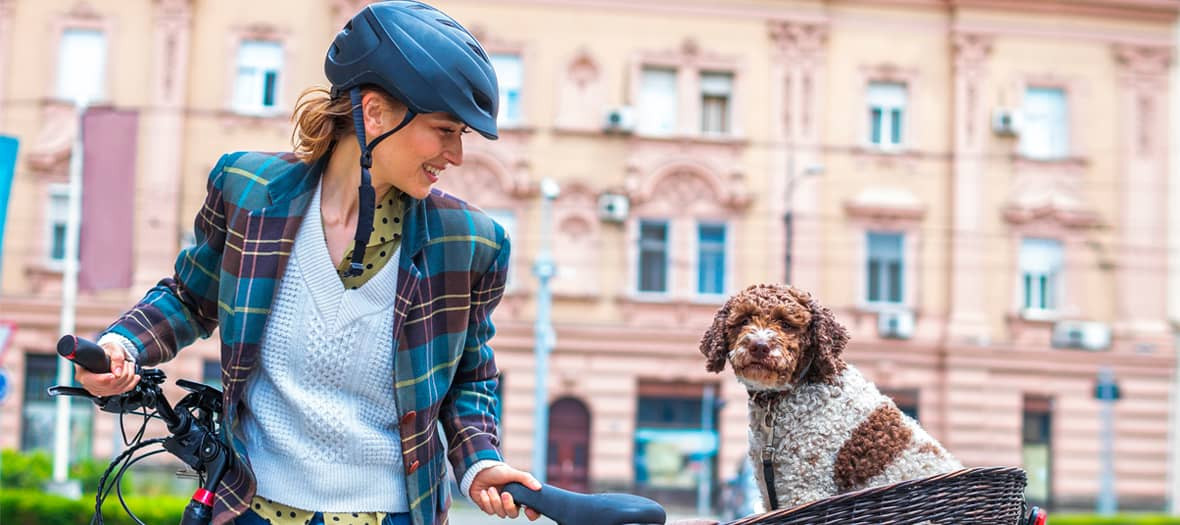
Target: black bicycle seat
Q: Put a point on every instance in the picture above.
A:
(571, 508)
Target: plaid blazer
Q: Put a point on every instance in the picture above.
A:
(451, 275)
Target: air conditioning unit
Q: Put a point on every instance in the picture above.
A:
(613, 207)
(619, 120)
(895, 324)
(1007, 122)
(1082, 335)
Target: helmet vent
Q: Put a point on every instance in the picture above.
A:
(479, 51)
(482, 101)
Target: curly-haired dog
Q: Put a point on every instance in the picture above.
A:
(817, 426)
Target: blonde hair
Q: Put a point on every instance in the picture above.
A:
(320, 120)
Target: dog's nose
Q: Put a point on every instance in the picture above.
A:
(759, 349)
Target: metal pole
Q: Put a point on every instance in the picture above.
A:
(789, 218)
(1107, 499)
(69, 296)
(543, 335)
(705, 485)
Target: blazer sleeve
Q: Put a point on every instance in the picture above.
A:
(181, 308)
(469, 412)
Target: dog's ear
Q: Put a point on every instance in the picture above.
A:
(715, 344)
(828, 338)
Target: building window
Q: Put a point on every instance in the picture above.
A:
(1045, 134)
(885, 268)
(887, 105)
(510, 75)
(1037, 449)
(670, 444)
(81, 65)
(711, 258)
(658, 104)
(1041, 264)
(38, 411)
(653, 256)
(507, 220)
(259, 65)
(57, 217)
(211, 373)
(716, 103)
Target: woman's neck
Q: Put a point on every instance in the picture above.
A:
(340, 200)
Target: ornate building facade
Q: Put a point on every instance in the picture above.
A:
(976, 187)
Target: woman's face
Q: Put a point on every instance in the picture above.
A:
(413, 158)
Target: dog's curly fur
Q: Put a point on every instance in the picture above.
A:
(821, 425)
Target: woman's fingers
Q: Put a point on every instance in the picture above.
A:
(509, 505)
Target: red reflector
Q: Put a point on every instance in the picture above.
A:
(1042, 517)
(203, 497)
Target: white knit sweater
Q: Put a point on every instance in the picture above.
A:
(321, 429)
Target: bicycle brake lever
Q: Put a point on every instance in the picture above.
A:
(58, 390)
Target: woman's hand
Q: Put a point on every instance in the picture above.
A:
(487, 486)
(121, 378)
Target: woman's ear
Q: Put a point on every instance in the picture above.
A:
(377, 112)
(714, 344)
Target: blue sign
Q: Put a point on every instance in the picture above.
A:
(3, 385)
(1107, 390)
(8, 146)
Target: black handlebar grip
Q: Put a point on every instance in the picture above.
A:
(85, 353)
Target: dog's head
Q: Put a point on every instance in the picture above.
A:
(775, 336)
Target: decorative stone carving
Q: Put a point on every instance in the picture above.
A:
(799, 38)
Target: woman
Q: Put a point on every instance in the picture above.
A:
(350, 326)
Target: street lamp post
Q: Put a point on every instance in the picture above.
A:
(543, 335)
(788, 216)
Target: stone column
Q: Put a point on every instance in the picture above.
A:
(158, 220)
(6, 13)
(1143, 256)
(968, 321)
(797, 80)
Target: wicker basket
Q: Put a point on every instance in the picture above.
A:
(975, 496)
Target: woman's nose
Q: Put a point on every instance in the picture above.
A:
(453, 152)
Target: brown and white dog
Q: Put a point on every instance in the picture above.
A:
(817, 426)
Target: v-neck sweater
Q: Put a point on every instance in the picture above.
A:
(321, 427)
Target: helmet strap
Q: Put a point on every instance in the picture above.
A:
(368, 196)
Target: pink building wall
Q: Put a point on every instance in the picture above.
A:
(963, 196)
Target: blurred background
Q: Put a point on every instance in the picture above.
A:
(980, 189)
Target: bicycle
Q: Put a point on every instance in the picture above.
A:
(194, 424)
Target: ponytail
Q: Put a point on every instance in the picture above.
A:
(319, 120)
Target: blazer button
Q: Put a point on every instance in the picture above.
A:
(413, 467)
(408, 418)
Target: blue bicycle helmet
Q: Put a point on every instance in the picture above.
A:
(425, 60)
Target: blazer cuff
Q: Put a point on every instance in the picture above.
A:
(475, 469)
(129, 349)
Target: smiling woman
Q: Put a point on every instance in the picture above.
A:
(340, 356)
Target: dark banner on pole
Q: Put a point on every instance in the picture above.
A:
(105, 251)
(8, 147)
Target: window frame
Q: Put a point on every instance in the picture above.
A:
(887, 116)
(1056, 279)
(698, 252)
(1061, 139)
(502, 118)
(901, 274)
(256, 105)
(668, 244)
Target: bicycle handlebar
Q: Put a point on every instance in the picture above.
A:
(85, 353)
(572, 508)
